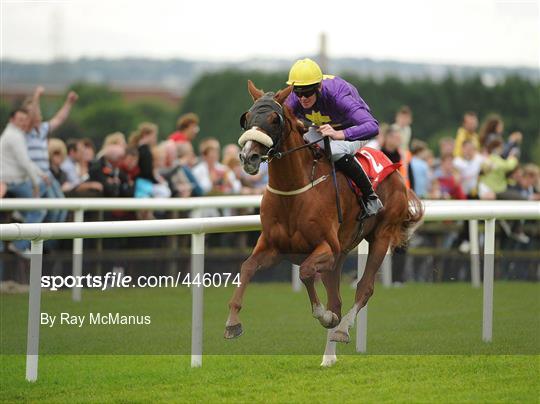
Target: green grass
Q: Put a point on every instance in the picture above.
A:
(424, 344)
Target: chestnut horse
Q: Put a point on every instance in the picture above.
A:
(299, 217)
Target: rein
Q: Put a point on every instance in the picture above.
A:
(255, 134)
(275, 154)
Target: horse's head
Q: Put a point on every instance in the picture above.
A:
(264, 126)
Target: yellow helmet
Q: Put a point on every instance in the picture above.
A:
(305, 72)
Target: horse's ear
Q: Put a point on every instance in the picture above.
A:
(282, 95)
(254, 91)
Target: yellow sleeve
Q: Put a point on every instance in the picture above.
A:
(460, 138)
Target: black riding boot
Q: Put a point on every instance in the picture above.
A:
(352, 169)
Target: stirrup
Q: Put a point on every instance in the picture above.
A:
(366, 213)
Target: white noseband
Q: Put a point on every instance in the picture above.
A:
(256, 135)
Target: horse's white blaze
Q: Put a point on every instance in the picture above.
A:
(329, 357)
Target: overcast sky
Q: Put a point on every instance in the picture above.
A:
(474, 32)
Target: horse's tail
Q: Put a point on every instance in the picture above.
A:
(415, 214)
(403, 214)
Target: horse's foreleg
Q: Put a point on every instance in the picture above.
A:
(262, 257)
(331, 282)
(329, 357)
(320, 260)
(364, 289)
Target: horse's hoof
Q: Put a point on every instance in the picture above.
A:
(340, 336)
(334, 321)
(233, 331)
(328, 361)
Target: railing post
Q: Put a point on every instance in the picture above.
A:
(361, 317)
(34, 311)
(295, 278)
(77, 257)
(475, 253)
(197, 270)
(489, 261)
(387, 269)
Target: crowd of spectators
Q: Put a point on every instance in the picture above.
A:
(475, 164)
(36, 164)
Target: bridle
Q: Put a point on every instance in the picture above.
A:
(253, 132)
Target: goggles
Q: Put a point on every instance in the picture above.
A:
(305, 91)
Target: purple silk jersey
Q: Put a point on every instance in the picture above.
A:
(338, 104)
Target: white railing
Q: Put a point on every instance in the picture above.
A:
(80, 205)
(435, 211)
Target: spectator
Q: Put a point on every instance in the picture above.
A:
(37, 137)
(527, 181)
(186, 155)
(377, 141)
(116, 138)
(57, 155)
(491, 129)
(403, 122)
(435, 189)
(230, 151)
(214, 177)
(513, 146)
(21, 176)
(88, 155)
(75, 168)
(419, 171)
(391, 148)
(36, 142)
(179, 176)
(493, 183)
(106, 170)
(169, 153)
(523, 189)
(130, 164)
(467, 132)
(446, 147)
(468, 166)
(449, 181)
(144, 138)
(187, 127)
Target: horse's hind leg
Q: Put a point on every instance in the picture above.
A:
(261, 257)
(364, 289)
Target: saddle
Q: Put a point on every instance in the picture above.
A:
(376, 165)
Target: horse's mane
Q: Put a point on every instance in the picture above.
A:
(294, 123)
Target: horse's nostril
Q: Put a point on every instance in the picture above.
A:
(241, 157)
(255, 158)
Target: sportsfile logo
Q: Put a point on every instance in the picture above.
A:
(118, 280)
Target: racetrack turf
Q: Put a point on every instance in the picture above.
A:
(424, 344)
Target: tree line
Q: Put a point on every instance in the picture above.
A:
(219, 98)
(438, 106)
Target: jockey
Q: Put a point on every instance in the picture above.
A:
(335, 106)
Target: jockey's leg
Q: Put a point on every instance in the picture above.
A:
(343, 155)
